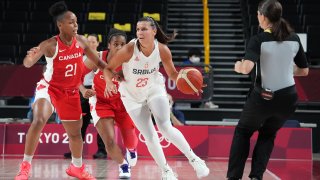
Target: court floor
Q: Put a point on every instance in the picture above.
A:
(53, 168)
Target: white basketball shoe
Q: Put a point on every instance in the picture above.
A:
(200, 167)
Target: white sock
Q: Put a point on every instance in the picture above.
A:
(77, 162)
(27, 158)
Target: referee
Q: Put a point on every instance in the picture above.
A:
(276, 55)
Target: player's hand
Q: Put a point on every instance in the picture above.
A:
(32, 52)
(88, 93)
(110, 89)
(237, 66)
(200, 91)
(119, 76)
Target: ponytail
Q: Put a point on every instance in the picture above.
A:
(272, 9)
(281, 29)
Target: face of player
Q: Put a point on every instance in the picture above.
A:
(68, 25)
(145, 32)
(93, 42)
(116, 43)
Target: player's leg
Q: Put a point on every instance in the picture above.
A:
(76, 168)
(69, 110)
(42, 110)
(74, 134)
(129, 136)
(160, 109)
(105, 128)
(142, 119)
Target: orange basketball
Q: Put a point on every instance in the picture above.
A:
(189, 80)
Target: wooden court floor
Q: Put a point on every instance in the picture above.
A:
(53, 168)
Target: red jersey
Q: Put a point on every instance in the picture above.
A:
(64, 69)
(99, 84)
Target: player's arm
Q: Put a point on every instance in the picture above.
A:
(123, 55)
(86, 93)
(92, 56)
(300, 71)
(35, 53)
(89, 64)
(166, 58)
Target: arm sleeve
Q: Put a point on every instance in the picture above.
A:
(253, 49)
(300, 59)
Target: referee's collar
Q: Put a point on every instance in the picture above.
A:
(267, 30)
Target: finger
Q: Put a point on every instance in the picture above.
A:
(204, 85)
(110, 93)
(34, 50)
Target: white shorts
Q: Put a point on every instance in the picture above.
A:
(133, 102)
(42, 92)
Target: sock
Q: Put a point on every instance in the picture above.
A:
(190, 155)
(77, 162)
(27, 158)
(132, 150)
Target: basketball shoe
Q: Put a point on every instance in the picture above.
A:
(168, 174)
(25, 168)
(79, 172)
(200, 167)
(124, 171)
(132, 157)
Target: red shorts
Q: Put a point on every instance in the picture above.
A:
(66, 102)
(110, 109)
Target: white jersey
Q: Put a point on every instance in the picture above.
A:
(88, 78)
(141, 73)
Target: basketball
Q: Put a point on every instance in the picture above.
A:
(189, 81)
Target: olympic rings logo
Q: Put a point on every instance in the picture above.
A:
(164, 142)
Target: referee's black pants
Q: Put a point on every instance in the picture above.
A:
(85, 106)
(266, 117)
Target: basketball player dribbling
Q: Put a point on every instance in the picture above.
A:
(107, 111)
(143, 92)
(59, 89)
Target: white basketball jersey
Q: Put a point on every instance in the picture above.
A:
(88, 78)
(141, 72)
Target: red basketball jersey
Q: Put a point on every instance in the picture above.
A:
(99, 83)
(64, 69)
